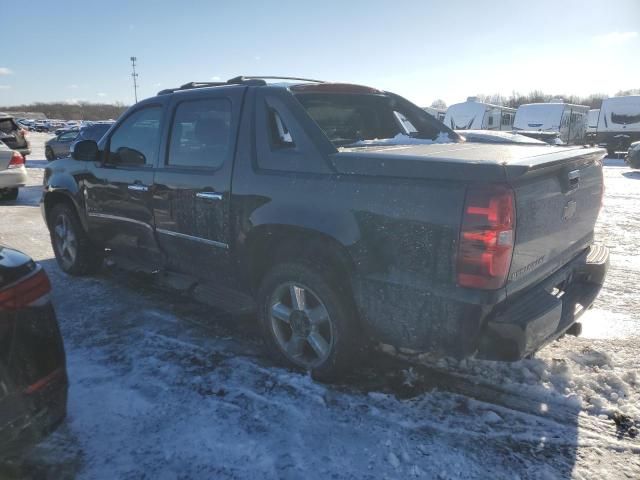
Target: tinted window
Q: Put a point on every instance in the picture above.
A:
(201, 133)
(349, 118)
(67, 137)
(135, 142)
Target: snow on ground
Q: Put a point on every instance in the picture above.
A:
(162, 388)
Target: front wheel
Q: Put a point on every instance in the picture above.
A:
(48, 153)
(307, 320)
(74, 252)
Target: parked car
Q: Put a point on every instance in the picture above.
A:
(94, 131)
(58, 146)
(14, 136)
(340, 213)
(13, 173)
(33, 397)
(633, 155)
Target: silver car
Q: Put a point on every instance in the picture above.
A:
(58, 146)
(13, 173)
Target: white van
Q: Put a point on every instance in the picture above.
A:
(567, 120)
(619, 123)
(474, 115)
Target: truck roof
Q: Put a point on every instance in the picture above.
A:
(297, 84)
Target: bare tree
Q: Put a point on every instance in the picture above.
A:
(439, 103)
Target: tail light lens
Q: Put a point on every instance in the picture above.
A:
(25, 292)
(17, 160)
(486, 237)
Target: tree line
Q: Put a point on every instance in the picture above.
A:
(516, 99)
(72, 111)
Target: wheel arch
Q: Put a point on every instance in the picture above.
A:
(269, 245)
(53, 197)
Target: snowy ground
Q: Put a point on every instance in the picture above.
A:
(162, 388)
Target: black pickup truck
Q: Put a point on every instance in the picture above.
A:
(341, 214)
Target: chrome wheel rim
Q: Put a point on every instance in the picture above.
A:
(301, 325)
(66, 242)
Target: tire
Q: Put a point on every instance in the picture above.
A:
(292, 322)
(49, 155)
(10, 194)
(74, 252)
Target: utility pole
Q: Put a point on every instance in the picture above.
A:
(134, 75)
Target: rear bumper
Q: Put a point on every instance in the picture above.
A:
(15, 177)
(494, 327)
(525, 324)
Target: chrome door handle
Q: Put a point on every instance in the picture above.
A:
(136, 187)
(209, 195)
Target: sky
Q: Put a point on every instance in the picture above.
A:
(80, 50)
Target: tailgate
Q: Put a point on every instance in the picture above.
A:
(558, 198)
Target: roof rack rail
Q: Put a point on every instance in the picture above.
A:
(267, 77)
(255, 80)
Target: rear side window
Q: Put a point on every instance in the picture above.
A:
(201, 134)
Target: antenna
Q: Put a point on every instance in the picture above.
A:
(134, 75)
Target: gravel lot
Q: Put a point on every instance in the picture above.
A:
(162, 388)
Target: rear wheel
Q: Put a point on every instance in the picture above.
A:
(9, 194)
(307, 320)
(74, 252)
(48, 153)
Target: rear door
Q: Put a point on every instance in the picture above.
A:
(118, 189)
(192, 188)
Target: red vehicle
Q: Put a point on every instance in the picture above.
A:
(33, 376)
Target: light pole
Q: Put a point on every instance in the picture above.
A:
(134, 75)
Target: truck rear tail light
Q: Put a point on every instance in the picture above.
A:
(25, 292)
(17, 160)
(486, 237)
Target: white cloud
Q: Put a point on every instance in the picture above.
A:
(614, 38)
(74, 86)
(101, 94)
(5, 87)
(215, 78)
(74, 101)
(159, 84)
(5, 71)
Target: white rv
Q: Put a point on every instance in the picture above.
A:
(474, 115)
(619, 123)
(437, 113)
(567, 120)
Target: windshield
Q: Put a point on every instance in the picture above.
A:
(362, 119)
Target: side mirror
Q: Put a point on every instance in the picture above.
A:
(85, 150)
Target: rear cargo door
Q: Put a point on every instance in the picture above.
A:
(557, 204)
